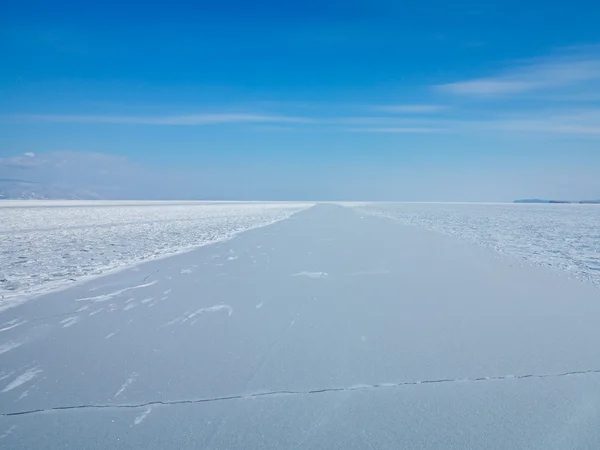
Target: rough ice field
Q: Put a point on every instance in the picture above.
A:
(47, 244)
(565, 237)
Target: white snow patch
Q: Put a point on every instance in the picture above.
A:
(139, 419)
(172, 322)
(167, 292)
(11, 324)
(8, 346)
(4, 375)
(129, 380)
(105, 297)
(231, 258)
(69, 321)
(128, 307)
(186, 271)
(260, 305)
(192, 315)
(215, 309)
(96, 311)
(25, 393)
(109, 335)
(25, 377)
(147, 300)
(311, 274)
(8, 432)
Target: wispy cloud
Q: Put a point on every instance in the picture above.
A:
(533, 126)
(417, 130)
(581, 122)
(531, 75)
(410, 109)
(182, 120)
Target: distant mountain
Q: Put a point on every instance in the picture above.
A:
(74, 176)
(537, 200)
(16, 189)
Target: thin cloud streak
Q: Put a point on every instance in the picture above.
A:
(581, 123)
(410, 109)
(535, 75)
(399, 130)
(584, 123)
(186, 120)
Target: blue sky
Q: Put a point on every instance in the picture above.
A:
(316, 100)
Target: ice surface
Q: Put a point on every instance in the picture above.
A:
(45, 244)
(413, 339)
(565, 237)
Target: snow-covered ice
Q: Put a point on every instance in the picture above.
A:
(561, 236)
(49, 243)
(25, 377)
(413, 340)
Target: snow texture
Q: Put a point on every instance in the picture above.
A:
(139, 419)
(562, 236)
(414, 339)
(46, 244)
(8, 346)
(25, 377)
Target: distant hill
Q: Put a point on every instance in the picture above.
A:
(17, 189)
(537, 200)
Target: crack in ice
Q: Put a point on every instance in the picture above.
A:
(290, 392)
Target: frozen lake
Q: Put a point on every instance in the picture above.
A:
(49, 244)
(46, 244)
(560, 236)
(330, 329)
